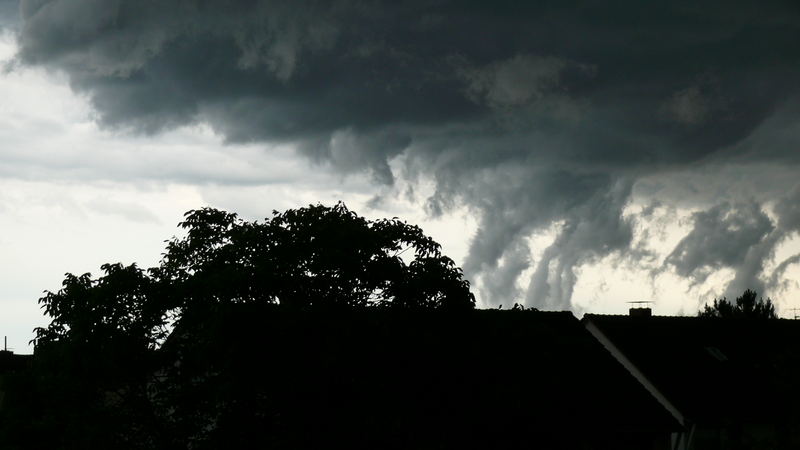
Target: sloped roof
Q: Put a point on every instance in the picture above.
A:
(714, 370)
(504, 372)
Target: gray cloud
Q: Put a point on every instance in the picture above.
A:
(777, 282)
(688, 106)
(516, 81)
(535, 117)
(740, 237)
(591, 231)
(9, 14)
(130, 211)
(499, 283)
(788, 210)
(722, 236)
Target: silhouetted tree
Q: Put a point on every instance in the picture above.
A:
(746, 305)
(94, 362)
(306, 258)
(116, 307)
(101, 378)
(314, 257)
(226, 275)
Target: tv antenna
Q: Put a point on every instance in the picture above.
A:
(641, 303)
(794, 311)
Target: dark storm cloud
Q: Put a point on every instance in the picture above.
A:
(536, 117)
(724, 236)
(741, 237)
(9, 14)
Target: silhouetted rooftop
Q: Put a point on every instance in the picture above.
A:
(9, 361)
(482, 374)
(714, 370)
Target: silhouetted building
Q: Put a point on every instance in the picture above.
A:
(731, 383)
(386, 379)
(10, 365)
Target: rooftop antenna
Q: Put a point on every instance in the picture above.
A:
(642, 302)
(794, 311)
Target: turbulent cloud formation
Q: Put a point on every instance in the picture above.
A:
(725, 235)
(538, 117)
(8, 13)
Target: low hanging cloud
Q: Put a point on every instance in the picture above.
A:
(726, 235)
(8, 14)
(537, 117)
(516, 81)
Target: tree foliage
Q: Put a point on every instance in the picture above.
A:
(94, 363)
(316, 257)
(116, 306)
(104, 348)
(747, 305)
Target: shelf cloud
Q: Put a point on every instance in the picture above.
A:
(550, 116)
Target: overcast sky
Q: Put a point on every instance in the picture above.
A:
(568, 155)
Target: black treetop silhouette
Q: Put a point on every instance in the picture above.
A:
(103, 376)
(745, 306)
(313, 257)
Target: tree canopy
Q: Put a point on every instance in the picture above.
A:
(747, 305)
(108, 346)
(311, 257)
(316, 257)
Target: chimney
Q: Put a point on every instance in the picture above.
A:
(640, 312)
